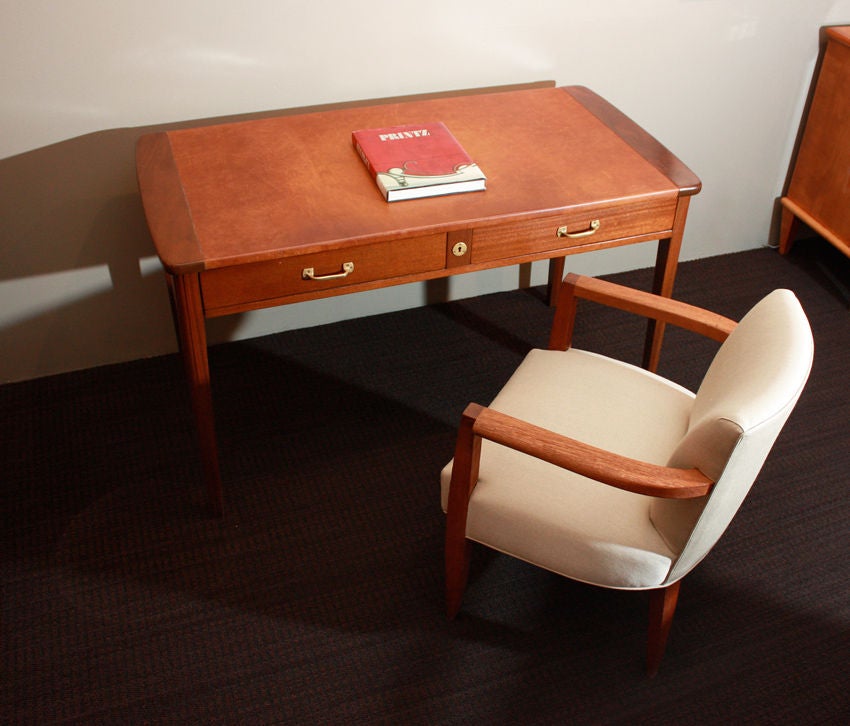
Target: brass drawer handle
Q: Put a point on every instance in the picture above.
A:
(309, 273)
(594, 225)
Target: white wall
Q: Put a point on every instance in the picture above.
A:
(720, 82)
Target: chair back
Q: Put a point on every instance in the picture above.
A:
(747, 394)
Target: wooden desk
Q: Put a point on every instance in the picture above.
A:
(238, 211)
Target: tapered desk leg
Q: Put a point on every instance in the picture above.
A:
(192, 334)
(666, 262)
(556, 276)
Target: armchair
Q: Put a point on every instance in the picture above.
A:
(610, 474)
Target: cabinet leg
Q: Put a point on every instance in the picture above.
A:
(788, 227)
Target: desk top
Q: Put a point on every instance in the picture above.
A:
(242, 192)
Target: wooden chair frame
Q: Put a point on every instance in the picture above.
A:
(478, 422)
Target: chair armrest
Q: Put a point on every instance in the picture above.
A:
(657, 307)
(595, 463)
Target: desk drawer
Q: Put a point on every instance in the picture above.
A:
(261, 284)
(588, 228)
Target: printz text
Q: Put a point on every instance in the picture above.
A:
(404, 135)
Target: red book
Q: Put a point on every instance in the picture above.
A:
(414, 161)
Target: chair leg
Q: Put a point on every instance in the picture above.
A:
(457, 571)
(662, 606)
(464, 478)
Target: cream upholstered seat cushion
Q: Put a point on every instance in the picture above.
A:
(523, 506)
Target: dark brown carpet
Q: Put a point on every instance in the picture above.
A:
(318, 597)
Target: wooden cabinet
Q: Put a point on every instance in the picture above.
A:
(819, 190)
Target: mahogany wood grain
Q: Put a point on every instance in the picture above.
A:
(240, 208)
(666, 263)
(256, 285)
(647, 218)
(698, 320)
(819, 191)
(641, 141)
(168, 217)
(293, 185)
(192, 335)
(464, 478)
(662, 607)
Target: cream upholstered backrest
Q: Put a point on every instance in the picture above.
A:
(745, 398)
